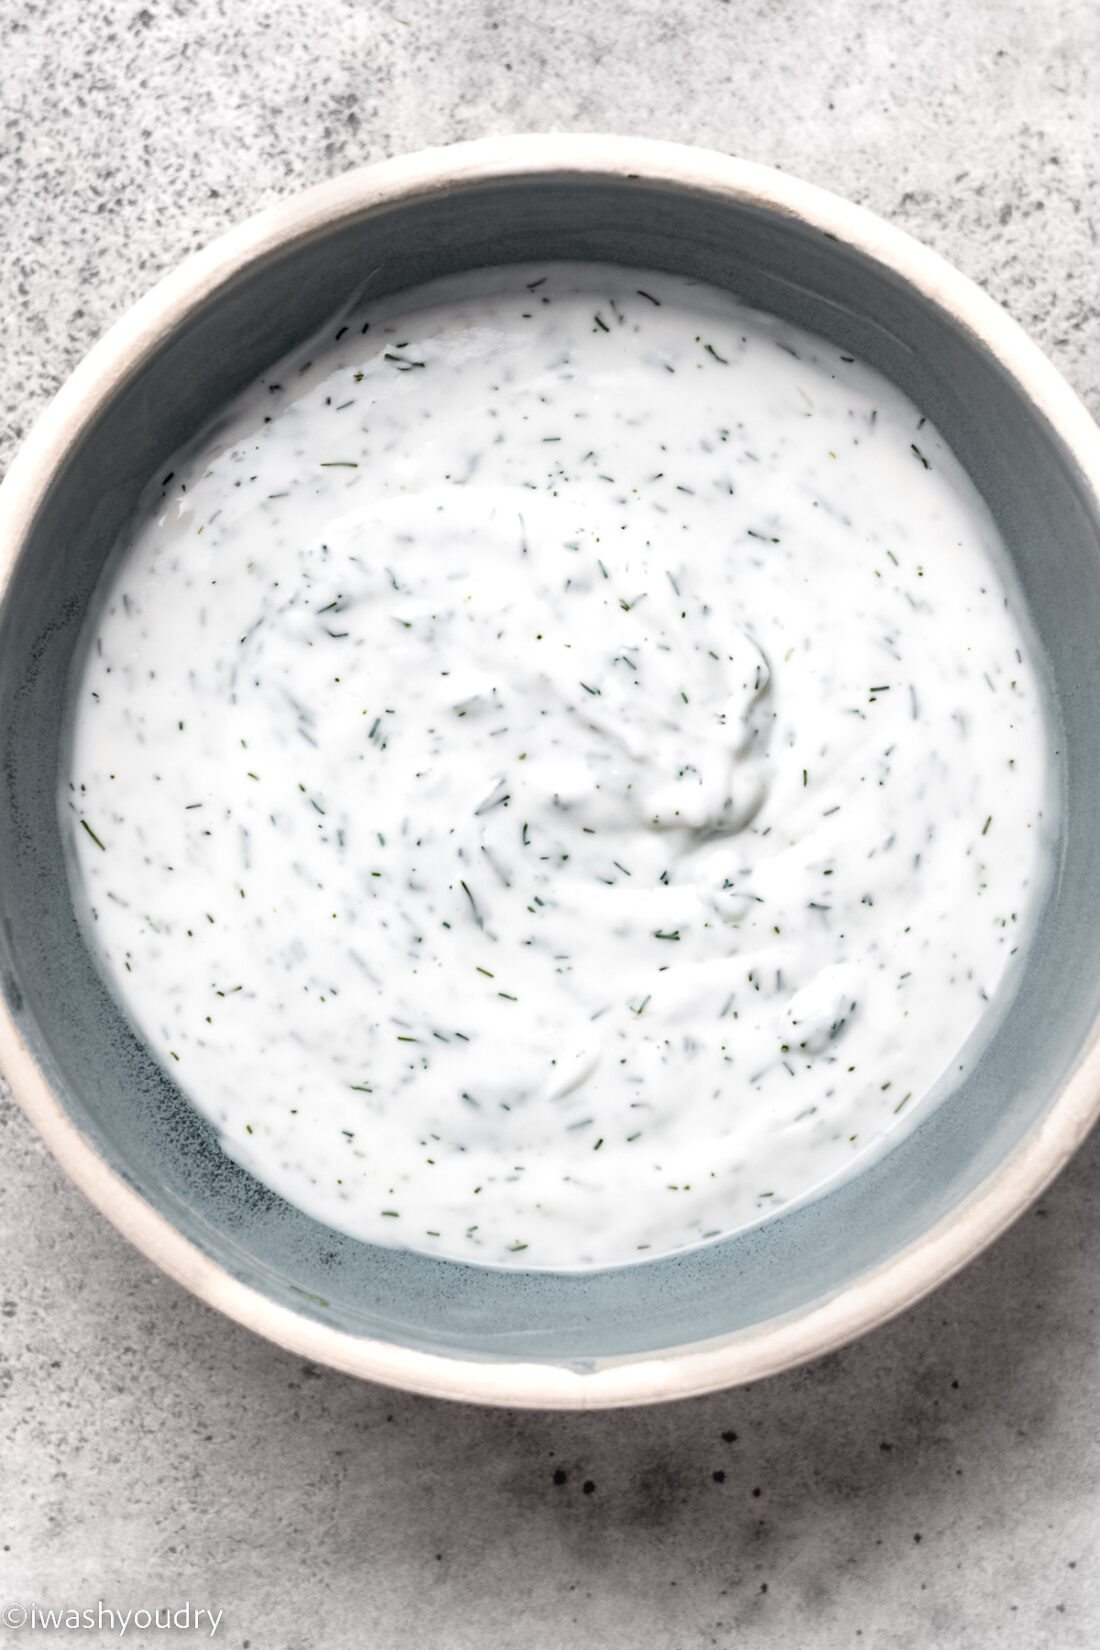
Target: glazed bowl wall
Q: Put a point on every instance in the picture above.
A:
(758, 1299)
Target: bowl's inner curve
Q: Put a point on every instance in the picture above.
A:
(117, 1094)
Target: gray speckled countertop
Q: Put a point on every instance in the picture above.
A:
(936, 1486)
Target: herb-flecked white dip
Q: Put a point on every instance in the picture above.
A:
(560, 768)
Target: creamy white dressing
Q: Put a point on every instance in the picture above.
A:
(558, 772)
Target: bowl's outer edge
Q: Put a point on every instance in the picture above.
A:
(686, 1370)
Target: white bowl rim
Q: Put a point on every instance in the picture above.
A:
(677, 1372)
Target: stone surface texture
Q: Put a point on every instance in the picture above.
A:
(936, 1486)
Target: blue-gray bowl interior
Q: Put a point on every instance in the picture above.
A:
(119, 1097)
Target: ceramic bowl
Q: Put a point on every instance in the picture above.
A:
(799, 1283)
